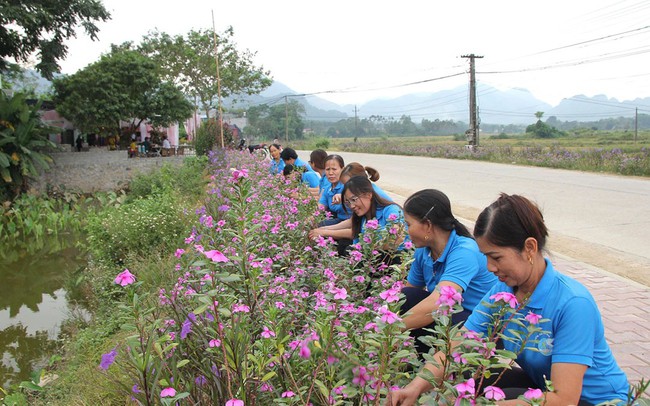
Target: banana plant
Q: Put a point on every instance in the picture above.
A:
(23, 143)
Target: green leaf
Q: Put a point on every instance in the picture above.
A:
(182, 363)
(30, 386)
(268, 376)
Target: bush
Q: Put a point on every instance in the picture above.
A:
(208, 136)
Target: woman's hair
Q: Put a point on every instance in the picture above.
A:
(334, 157)
(288, 153)
(509, 221)
(356, 169)
(359, 185)
(434, 206)
(288, 168)
(317, 158)
(276, 146)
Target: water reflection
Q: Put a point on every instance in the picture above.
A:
(33, 304)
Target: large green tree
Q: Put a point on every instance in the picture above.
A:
(278, 121)
(189, 61)
(123, 85)
(29, 27)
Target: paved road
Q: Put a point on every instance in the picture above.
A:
(599, 229)
(603, 220)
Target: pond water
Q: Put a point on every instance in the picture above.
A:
(33, 304)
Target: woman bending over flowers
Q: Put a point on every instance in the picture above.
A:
(570, 350)
(446, 255)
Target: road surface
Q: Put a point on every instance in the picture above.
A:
(602, 220)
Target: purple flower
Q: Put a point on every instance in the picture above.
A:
(108, 359)
(235, 402)
(125, 278)
(361, 376)
(387, 316)
(305, 352)
(288, 394)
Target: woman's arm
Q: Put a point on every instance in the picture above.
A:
(420, 314)
(567, 381)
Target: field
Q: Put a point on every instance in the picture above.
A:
(586, 150)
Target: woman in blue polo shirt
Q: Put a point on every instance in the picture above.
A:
(571, 350)
(361, 198)
(446, 255)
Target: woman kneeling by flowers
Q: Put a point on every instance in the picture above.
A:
(569, 348)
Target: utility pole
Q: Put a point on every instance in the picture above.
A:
(636, 123)
(286, 120)
(356, 121)
(473, 132)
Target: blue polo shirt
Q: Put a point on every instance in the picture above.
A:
(311, 178)
(326, 200)
(382, 214)
(276, 166)
(574, 334)
(324, 183)
(461, 262)
(299, 162)
(381, 192)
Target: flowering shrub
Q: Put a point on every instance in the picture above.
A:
(260, 314)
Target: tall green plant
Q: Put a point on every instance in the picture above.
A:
(23, 142)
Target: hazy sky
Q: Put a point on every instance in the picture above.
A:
(361, 50)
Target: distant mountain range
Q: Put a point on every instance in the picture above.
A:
(514, 106)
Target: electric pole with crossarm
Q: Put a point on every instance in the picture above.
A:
(473, 132)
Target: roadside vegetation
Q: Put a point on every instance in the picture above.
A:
(614, 152)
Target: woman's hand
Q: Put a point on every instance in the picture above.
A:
(336, 199)
(314, 234)
(402, 397)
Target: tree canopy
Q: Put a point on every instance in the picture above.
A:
(123, 85)
(276, 121)
(40, 27)
(189, 62)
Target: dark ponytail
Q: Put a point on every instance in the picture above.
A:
(434, 206)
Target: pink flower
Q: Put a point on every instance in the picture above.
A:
(533, 394)
(216, 256)
(458, 357)
(240, 308)
(305, 352)
(339, 293)
(125, 278)
(266, 333)
(372, 224)
(494, 393)
(179, 252)
(361, 376)
(214, 343)
(235, 402)
(507, 298)
(466, 388)
(449, 296)
(390, 295)
(168, 393)
(288, 394)
(408, 245)
(533, 318)
(392, 217)
(387, 316)
(239, 174)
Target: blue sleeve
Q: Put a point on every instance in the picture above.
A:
(481, 316)
(574, 332)
(416, 274)
(460, 267)
(324, 198)
(311, 178)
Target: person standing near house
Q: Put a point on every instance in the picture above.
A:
(79, 142)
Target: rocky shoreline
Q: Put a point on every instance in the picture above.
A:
(95, 170)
